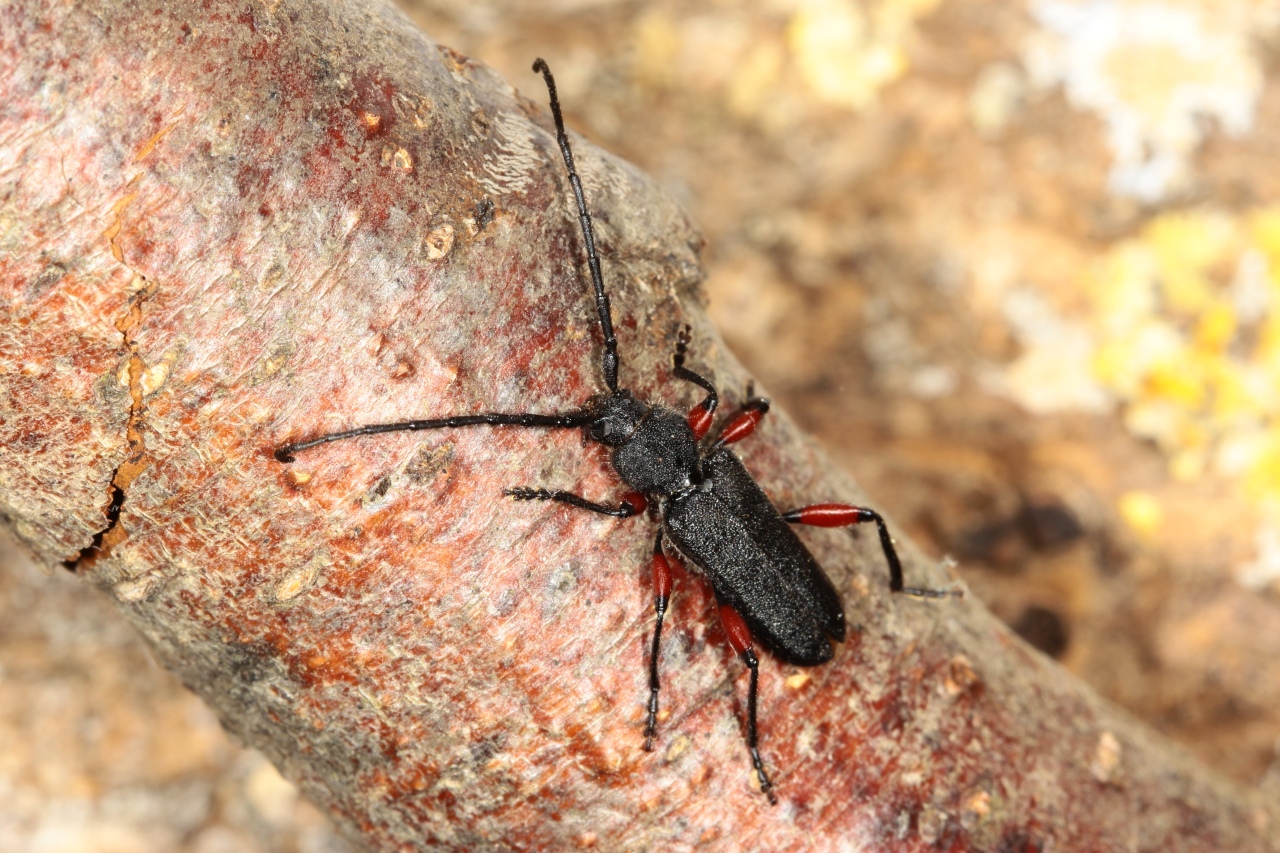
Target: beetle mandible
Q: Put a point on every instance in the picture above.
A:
(768, 587)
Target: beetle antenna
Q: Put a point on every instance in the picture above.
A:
(609, 361)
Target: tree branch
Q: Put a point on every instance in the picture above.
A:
(227, 226)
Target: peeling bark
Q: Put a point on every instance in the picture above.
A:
(226, 226)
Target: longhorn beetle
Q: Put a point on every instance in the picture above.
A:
(767, 585)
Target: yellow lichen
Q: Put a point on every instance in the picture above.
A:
(1141, 511)
(1188, 339)
(847, 52)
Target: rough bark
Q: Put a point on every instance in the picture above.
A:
(228, 225)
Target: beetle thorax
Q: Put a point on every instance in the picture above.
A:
(655, 451)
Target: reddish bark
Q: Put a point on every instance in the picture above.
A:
(228, 225)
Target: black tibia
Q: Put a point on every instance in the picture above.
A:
(895, 565)
(753, 737)
(681, 372)
(622, 510)
(569, 420)
(660, 608)
(609, 361)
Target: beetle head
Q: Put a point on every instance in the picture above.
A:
(617, 416)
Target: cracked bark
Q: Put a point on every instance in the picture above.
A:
(127, 471)
(225, 226)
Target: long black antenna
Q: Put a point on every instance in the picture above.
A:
(610, 359)
(285, 452)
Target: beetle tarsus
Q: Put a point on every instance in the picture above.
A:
(627, 508)
(701, 414)
(651, 723)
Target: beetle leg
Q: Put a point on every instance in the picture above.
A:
(632, 503)
(847, 515)
(744, 422)
(699, 415)
(661, 594)
(740, 638)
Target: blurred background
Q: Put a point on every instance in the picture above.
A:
(1015, 264)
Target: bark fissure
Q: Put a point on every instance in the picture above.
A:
(90, 553)
(138, 459)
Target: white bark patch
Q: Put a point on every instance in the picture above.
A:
(514, 157)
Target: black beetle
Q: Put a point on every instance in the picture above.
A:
(766, 583)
